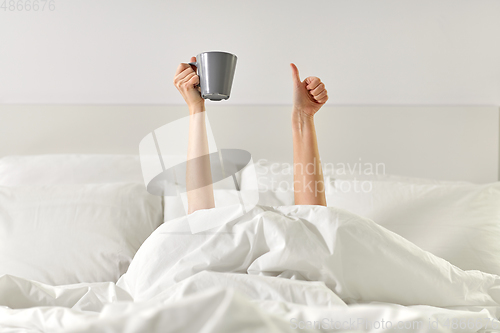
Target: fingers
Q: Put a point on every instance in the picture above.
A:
(189, 83)
(322, 97)
(187, 78)
(312, 82)
(184, 72)
(295, 74)
(319, 93)
(181, 68)
(317, 90)
(323, 100)
(187, 71)
(184, 69)
(195, 80)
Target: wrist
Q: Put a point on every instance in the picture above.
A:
(301, 121)
(299, 115)
(196, 108)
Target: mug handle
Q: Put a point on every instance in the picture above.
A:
(196, 65)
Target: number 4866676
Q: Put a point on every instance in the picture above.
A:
(28, 5)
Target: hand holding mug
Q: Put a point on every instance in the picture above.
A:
(187, 82)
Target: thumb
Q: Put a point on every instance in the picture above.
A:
(193, 59)
(295, 74)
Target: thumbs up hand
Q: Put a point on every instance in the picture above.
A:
(308, 95)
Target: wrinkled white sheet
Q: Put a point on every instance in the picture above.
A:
(269, 271)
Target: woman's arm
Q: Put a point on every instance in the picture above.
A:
(199, 186)
(309, 96)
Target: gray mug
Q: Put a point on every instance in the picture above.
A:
(216, 72)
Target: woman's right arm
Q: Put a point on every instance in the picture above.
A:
(199, 186)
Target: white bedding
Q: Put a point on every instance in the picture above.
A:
(271, 270)
(61, 234)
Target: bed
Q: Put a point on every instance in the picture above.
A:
(411, 247)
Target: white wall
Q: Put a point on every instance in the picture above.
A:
(367, 52)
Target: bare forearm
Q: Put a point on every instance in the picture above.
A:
(308, 176)
(198, 173)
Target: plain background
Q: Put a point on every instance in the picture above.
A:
(367, 52)
(388, 54)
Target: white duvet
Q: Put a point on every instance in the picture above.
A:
(281, 269)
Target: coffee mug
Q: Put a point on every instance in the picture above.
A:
(216, 72)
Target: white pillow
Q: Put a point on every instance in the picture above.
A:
(275, 180)
(69, 169)
(63, 234)
(459, 222)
